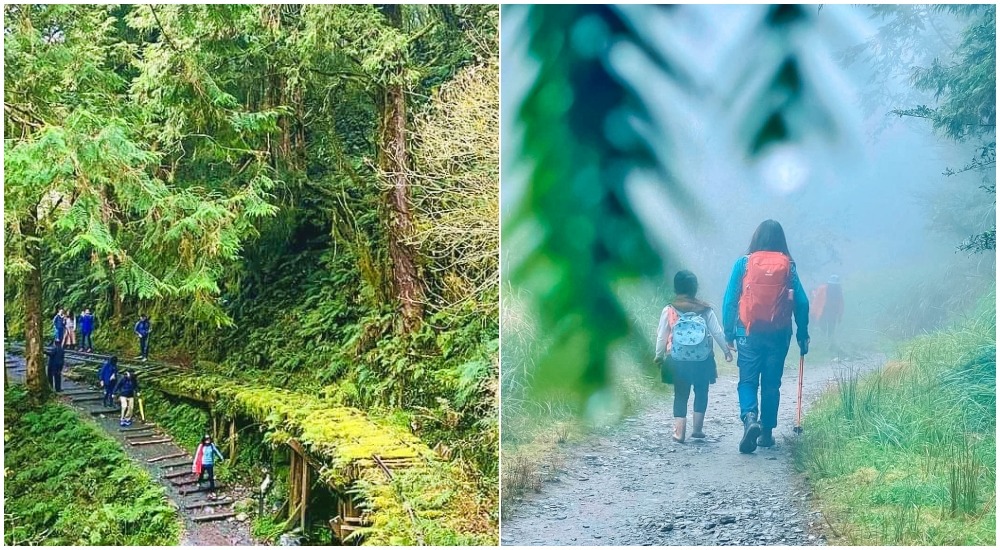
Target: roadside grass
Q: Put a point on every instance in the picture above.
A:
(907, 455)
(68, 483)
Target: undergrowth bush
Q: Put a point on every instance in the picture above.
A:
(67, 483)
(907, 454)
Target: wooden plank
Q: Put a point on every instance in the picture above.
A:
(205, 503)
(214, 517)
(177, 474)
(150, 442)
(305, 494)
(82, 399)
(145, 426)
(200, 490)
(166, 465)
(165, 457)
(187, 481)
(149, 432)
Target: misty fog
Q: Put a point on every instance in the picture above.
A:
(868, 202)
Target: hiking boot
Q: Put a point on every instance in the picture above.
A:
(765, 439)
(751, 430)
(699, 423)
(680, 427)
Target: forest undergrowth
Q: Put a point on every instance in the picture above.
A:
(67, 483)
(907, 454)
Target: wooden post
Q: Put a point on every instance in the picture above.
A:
(232, 439)
(293, 479)
(305, 492)
(215, 427)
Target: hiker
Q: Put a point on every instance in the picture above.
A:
(764, 292)
(56, 362)
(69, 340)
(59, 326)
(828, 307)
(142, 330)
(127, 388)
(86, 325)
(684, 344)
(204, 461)
(108, 376)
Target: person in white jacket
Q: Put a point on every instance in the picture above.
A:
(685, 352)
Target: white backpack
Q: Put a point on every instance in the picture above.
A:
(689, 339)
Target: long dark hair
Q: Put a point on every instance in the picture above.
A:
(685, 288)
(769, 236)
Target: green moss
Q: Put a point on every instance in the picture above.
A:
(67, 483)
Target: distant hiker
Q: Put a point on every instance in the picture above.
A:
(57, 360)
(142, 330)
(69, 341)
(828, 307)
(59, 326)
(86, 326)
(763, 293)
(127, 388)
(108, 376)
(204, 461)
(684, 343)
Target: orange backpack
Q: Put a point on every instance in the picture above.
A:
(766, 298)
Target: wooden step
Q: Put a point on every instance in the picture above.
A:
(185, 481)
(214, 517)
(84, 399)
(144, 426)
(81, 391)
(177, 474)
(207, 503)
(193, 490)
(166, 456)
(150, 441)
(145, 432)
(185, 462)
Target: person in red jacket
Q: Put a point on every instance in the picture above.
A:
(828, 307)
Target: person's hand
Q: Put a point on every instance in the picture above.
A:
(804, 346)
(731, 345)
(729, 356)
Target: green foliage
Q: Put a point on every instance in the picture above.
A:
(907, 455)
(66, 483)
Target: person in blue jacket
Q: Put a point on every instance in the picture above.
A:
(59, 326)
(127, 388)
(767, 304)
(54, 369)
(85, 324)
(142, 330)
(204, 461)
(108, 376)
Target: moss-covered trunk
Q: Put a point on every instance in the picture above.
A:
(33, 307)
(395, 164)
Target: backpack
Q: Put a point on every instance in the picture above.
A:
(765, 301)
(689, 339)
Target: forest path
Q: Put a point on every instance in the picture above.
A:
(192, 508)
(630, 484)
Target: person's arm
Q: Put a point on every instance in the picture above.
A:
(801, 311)
(218, 453)
(661, 336)
(731, 300)
(720, 338)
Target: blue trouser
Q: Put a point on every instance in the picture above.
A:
(144, 345)
(109, 394)
(761, 361)
(85, 341)
(60, 334)
(55, 378)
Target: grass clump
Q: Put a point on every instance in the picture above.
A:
(67, 483)
(907, 455)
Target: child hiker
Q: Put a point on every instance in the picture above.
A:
(684, 345)
(108, 376)
(127, 389)
(69, 340)
(204, 461)
(763, 294)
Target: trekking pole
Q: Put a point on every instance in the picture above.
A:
(798, 412)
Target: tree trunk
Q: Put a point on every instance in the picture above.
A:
(395, 165)
(33, 345)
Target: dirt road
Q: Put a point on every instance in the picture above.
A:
(630, 484)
